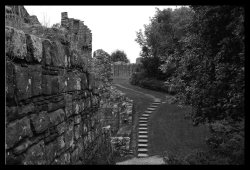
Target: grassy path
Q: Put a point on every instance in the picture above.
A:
(168, 129)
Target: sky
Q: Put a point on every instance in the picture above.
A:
(112, 27)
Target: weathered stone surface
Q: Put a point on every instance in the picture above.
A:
(35, 74)
(84, 81)
(22, 147)
(35, 155)
(56, 106)
(77, 131)
(61, 142)
(25, 109)
(71, 82)
(74, 58)
(40, 121)
(68, 105)
(10, 85)
(61, 128)
(62, 79)
(57, 116)
(76, 107)
(11, 112)
(47, 52)
(50, 84)
(23, 82)
(51, 151)
(34, 48)
(69, 135)
(15, 43)
(74, 156)
(58, 54)
(77, 119)
(17, 130)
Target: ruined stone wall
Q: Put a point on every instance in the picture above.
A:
(123, 70)
(52, 106)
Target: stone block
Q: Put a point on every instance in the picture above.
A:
(35, 74)
(61, 128)
(50, 84)
(15, 43)
(50, 151)
(56, 117)
(35, 155)
(77, 119)
(69, 135)
(11, 113)
(77, 131)
(10, 85)
(23, 82)
(75, 156)
(68, 104)
(62, 79)
(58, 54)
(71, 81)
(47, 52)
(40, 121)
(61, 142)
(84, 81)
(34, 48)
(22, 147)
(91, 81)
(56, 106)
(17, 130)
(76, 107)
(74, 58)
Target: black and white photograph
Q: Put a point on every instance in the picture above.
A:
(124, 85)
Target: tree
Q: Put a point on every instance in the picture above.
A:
(119, 55)
(160, 40)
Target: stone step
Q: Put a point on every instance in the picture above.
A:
(156, 103)
(153, 106)
(143, 118)
(142, 136)
(151, 109)
(143, 124)
(142, 150)
(142, 145)
(143, 128)
(145, 115)
(143, 132)
(147, 111)
(143, 121)
(140, 155)
(142, 141)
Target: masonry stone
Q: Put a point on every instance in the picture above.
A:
(53, 109)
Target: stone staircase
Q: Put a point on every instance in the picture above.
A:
(142, 144)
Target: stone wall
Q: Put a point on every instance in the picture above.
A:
(52, 106)
(123, 70)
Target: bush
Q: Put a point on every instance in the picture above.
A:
(140, 79)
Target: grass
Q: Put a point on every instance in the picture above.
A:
(168, 129)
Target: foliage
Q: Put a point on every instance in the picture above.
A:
(210, 74)
(140, 79)
(211, 69)
(161, 38)
(119, 55)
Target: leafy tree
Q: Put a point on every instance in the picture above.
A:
(119, 55)
(161, 38)
(211, 69)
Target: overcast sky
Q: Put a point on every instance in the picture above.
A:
(113, 27)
